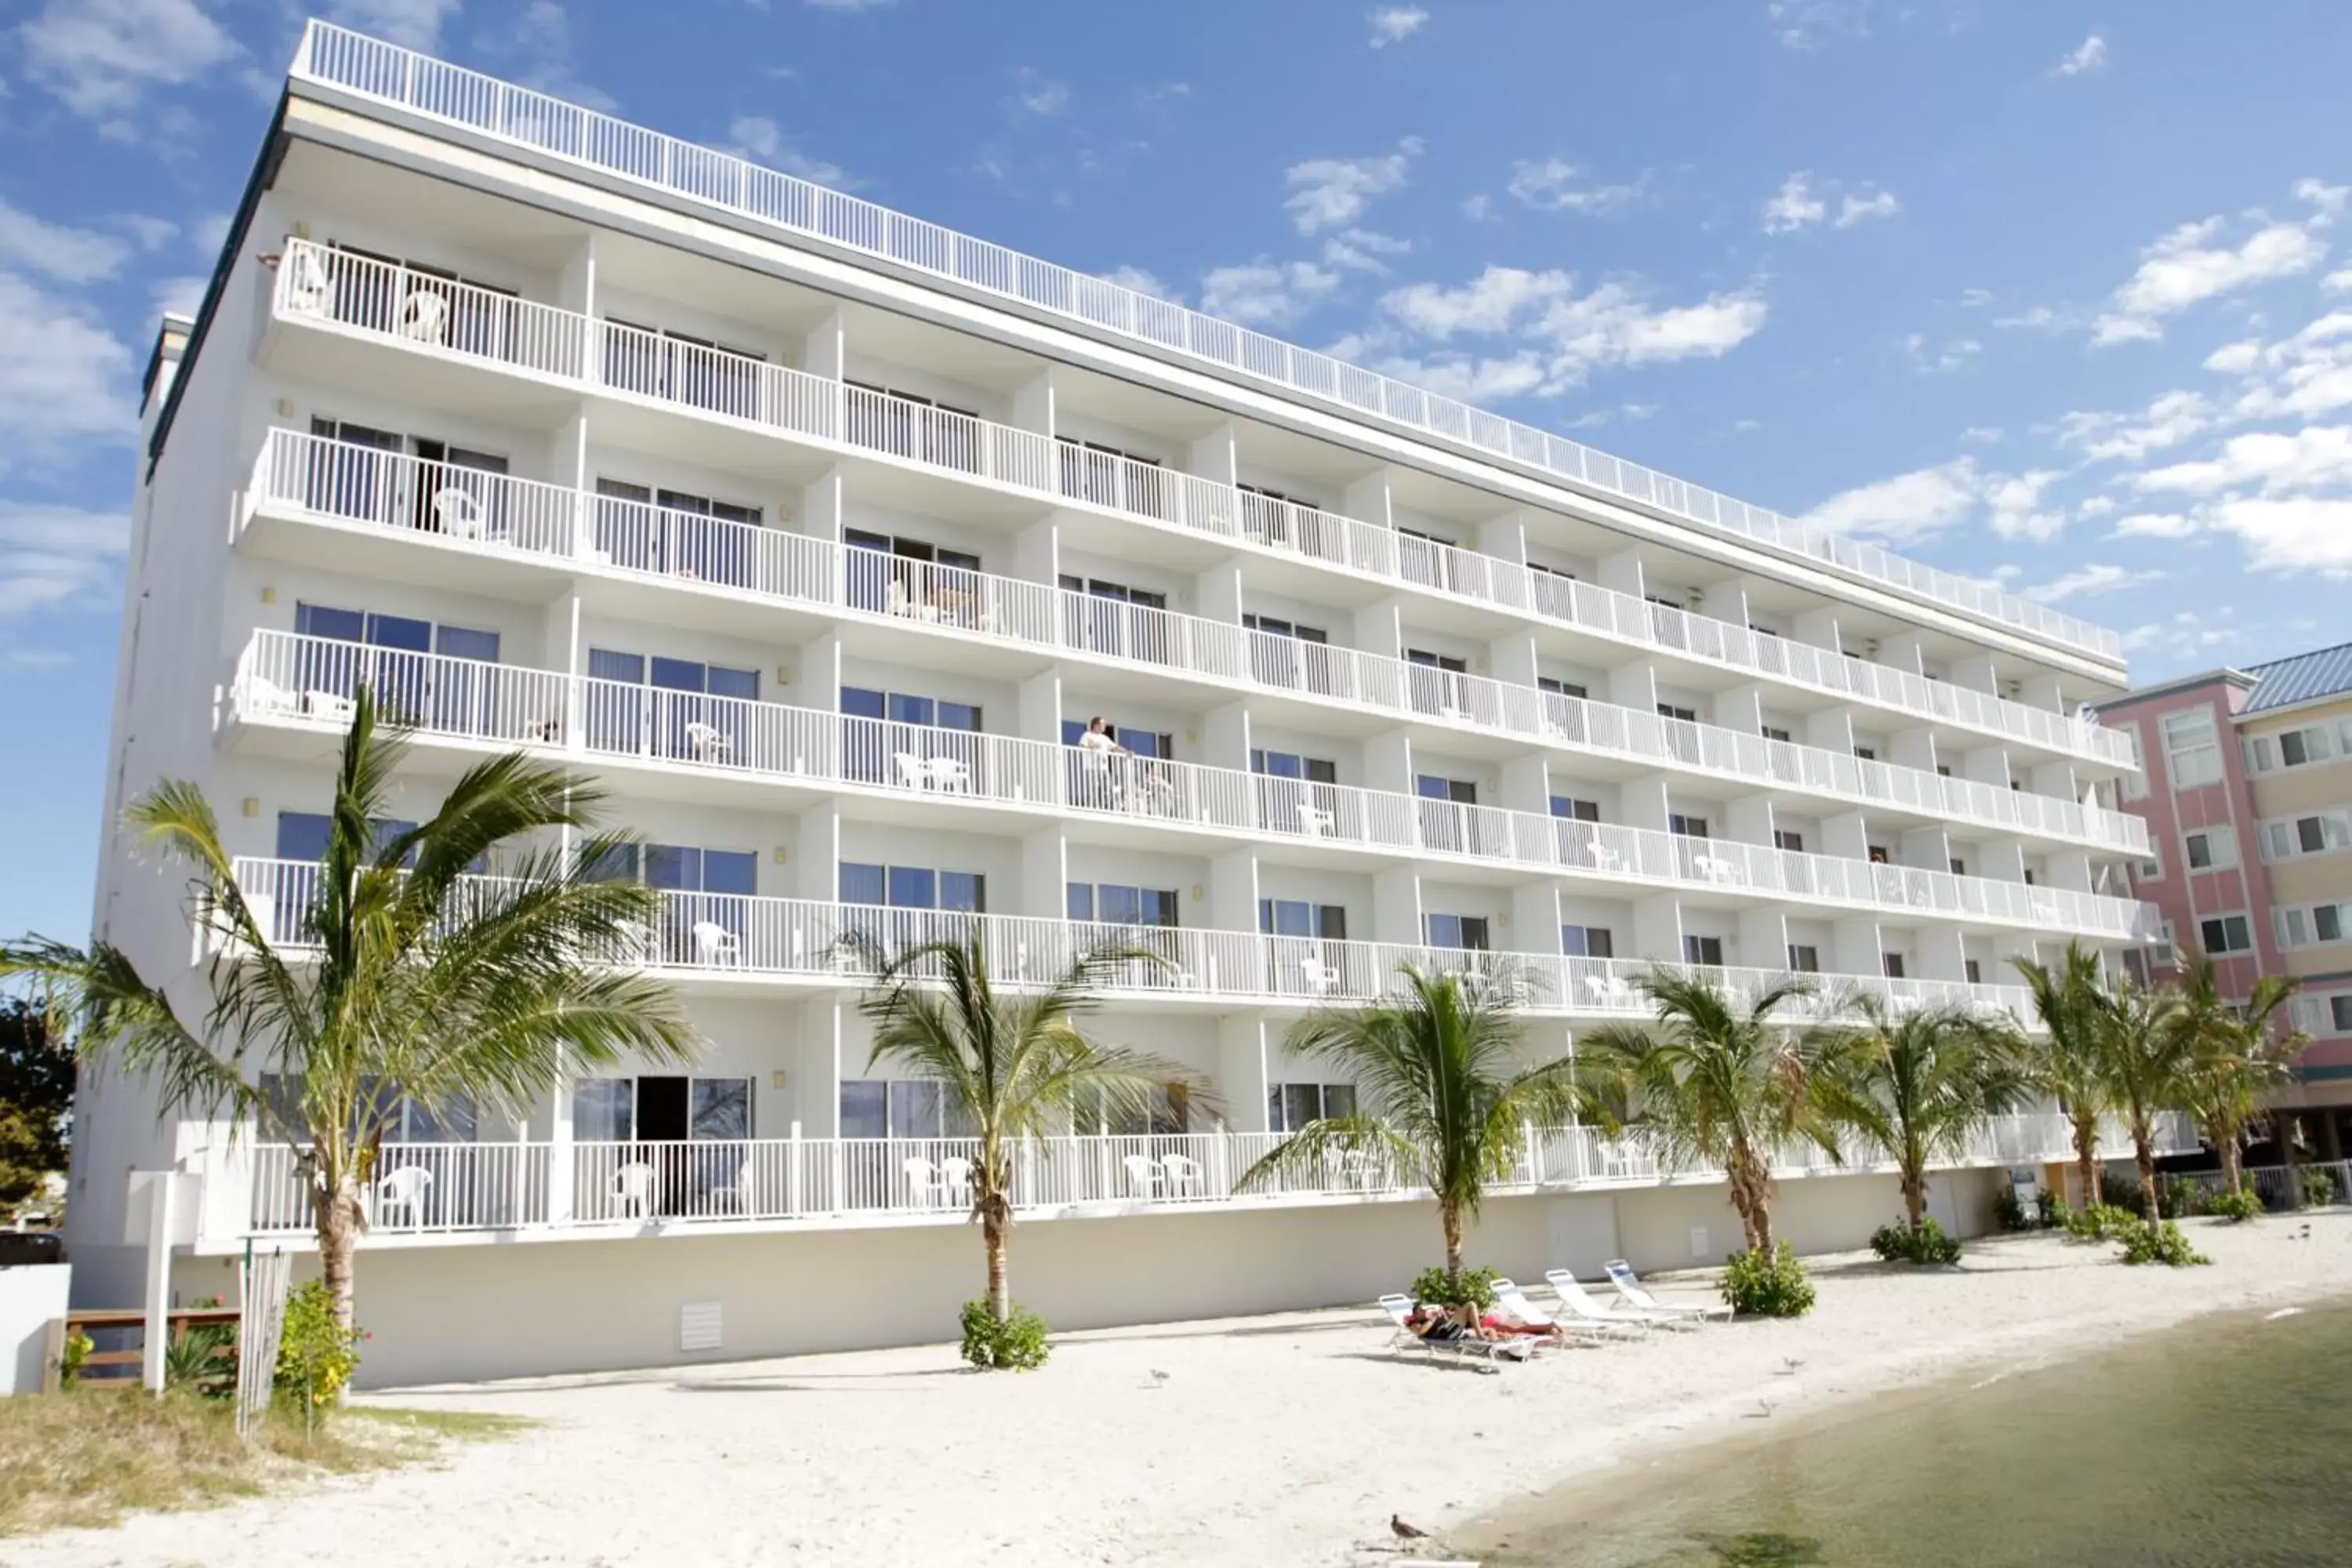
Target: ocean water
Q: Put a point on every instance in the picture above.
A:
(2227, 1443)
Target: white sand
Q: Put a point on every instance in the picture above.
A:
(1277, 1441)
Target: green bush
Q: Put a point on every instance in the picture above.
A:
(2318, 1186)
(1768, 1287)
(2146, 1243)
(2008, 1211)
(2238, 1208)
(72, 1357)
(1474, 1288)
(2100, 1222)
(1927, 1243)
(316, 1355)
(194, 1360)
(2053, 1208)
(1016, 1344)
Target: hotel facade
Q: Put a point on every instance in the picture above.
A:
(819, 535)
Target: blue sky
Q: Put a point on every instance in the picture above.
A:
(2058, 293)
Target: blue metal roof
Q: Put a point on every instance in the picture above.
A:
(2303, 677)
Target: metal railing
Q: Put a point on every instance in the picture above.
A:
(319, 283)
(286, 677)
(426, 1188)
(338, 58)
(383, 489)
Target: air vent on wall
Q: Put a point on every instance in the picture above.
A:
(698, 1326)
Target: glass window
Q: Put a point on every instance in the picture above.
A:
(1805, 958)
(865, 1109)
(915, 1108)
(2340, 1009)
(2226, 933)
(2135, 783)
(1587, 941)
(720, 1108)
(863, 884)
(914, 888)
(1467, 932)
(2191, 749)
(2212, 848)
(1575, 810)
(1703, 950)
(604, 1109)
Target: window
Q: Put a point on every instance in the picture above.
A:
(1891, 963)
(1975, 972)
(1959, 867)
(1671, 710)
(1121, 906)
(2134, 781)
(661, 1109)
(880, 727)
(1291, 765)
(650, 529)
(1295, 917)
(1461, 792)
(1142, 743)
(1284, 653)
(1686, 826)
(1942, 770)
(1587, 941)
(2152, 869)
(2313, 923)
(2029, 875)
(1438, 681)
(2319, 833)
(2135, 966)
(2192, 754)
(1703, 950)
(2212, 848)
(900, 1108)
(672, 707)
(1795, 843)
(302, 835)
(1095, 472)
(1291, 1106)
(1559, 687)
(1467, 932)
(2341, 1013)
(688, 368)
(1867, 753)
(1775, 733)
(2226, 933)
(913, 888)
(1575, 810)
(1880, 855)
(1805, 958)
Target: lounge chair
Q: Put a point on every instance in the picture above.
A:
(1511, 1298)
(1579, 1303)
(1631, 1290)
(1400, 1312)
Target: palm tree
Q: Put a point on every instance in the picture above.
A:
(1440, 1093)
(2069, 996)
(1723, 1084)
(1015, 1066)
(406, 978)
(1918, 1084)
(2146, 1059)
(2235, 1058)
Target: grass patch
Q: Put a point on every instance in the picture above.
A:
(91, 1456)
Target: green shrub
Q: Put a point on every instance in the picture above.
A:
(2053, 1209)
(2318, 1186)
(1768, 1287)
(316, 1355)
(2162, 1243)
(2100, 1222)
(194, 1359)
(2237, 1208)
(1473, 1288)
(1927, 1243)
(2008, 1211)
(75, 1355)
(1016, 1344)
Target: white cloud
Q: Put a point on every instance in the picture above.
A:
(2185, 268)
(1925, 502)
(1793, 206)
(62, 374)
(1952, 356)
(1867, 203)
(32, 661)
(2292, 534)
(2095, 578)
(2187, 635)
(67, 255)
(1975, 299)
(760, 139)
(1981, 435)
(1263, 293)
(2097, 505)
(1810, 24)
(1143, 282)
(2330, 199)
(1038, 94)
(1360, 250)
(1326, 193)
(541, 38)
(1557, 186)
(100, 57)
(2169, 420)
(2016, 509)
(417, 24)
(178, 296)
(149, 233)
(1395, 24)
(2338, 282)
(2039, 317)
(1478, 208)
(2269, 462)
(2088, 59)
(2154, 525)
(59, 558)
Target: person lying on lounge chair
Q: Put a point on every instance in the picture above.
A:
(1443, 1325)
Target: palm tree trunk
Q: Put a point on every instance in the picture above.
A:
(2233, 1160)
(2086, 1158)
(339, 1236)
(1915, 1195)
(2144, 1150)
(1746, 1181)
(2284, 1126)
(1449, 1214)
(993, 1229)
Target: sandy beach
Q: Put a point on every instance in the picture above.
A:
(1281, 1441)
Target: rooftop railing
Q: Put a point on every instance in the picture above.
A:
(290, 677)
(301, 473)
(435, 90)
(425, 310)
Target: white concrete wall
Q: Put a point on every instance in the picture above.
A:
(32, 1297)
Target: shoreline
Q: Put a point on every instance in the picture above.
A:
(1287, 1439)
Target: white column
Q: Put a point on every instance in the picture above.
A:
(162, 1189)
(560, 1163)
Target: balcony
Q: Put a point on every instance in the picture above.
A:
(425, 1193)
(500, 112)
(433, 316)
(496, 519)
(726, 940)
(305, 683)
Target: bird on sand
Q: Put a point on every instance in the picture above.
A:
(1404, 1531)
(1159, 1378)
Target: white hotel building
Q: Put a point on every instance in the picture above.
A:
(817, 534)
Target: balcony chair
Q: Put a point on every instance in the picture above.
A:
(708, 743)
(1610, 990)
(1321, 978)
(1603, 858)
(1315, 822)
(1180, 1176)
(913, 771)
(635, 942)
(632, 1187)
(331, 706)
(456, 513)
(265, 696)
(424, 317)
(955, 1182)
(715, 946)
(1144, 1178)
(308, 290)
(950, 773)
(402, 1189)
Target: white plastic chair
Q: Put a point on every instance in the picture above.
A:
(456, 513)
(424, 317)
(1578, 1306)
(402, 1189)
(715, 945)
(955, 1182)
(1321, 979)
(950, 773)
(636, 941)
(913, 771)
(1144, 1178)
(331, 706)
(1180, 1176)
(708, 743)
(1636, 1295)
(923, 1180)
(1605, 858)
(263, 695)
(1314, 821)
(632, 1187)
(308, 290)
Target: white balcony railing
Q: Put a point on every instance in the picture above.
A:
(740, 935)
(421, 1189)
(300, 474)
(287, 676)
(427, 311)
(521, 117)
